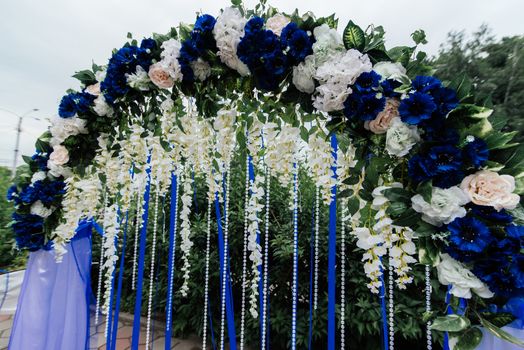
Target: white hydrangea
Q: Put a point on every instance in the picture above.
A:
(277, 23)
(170, 53)
(38, 176)
(38, 208)
(201, 68)
(303, 75)
(228, 30)
(62, 128)
(101, 107)
(462, 281)
(336, 75)
(390, 70)
(401, 137)
(327, 41)
(138, 80)
(446, 205)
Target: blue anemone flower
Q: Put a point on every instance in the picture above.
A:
(426, 84)
(494, 271)
(298, 42)
(490, 214)
(416, 108)
(205, 23)
(254, 25)
(476, 153)
(67, 107)
(367, 81)
(148, 44)
(446, 100)
(469, 235)
(517, 270)
(389, 86)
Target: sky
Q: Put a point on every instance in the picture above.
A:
(45, 42)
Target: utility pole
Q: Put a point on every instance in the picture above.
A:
(18, 132)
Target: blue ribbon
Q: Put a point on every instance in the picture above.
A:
(383, 308)
(171, 258)
(141, 261)
(224, 269)
(449, 311)
(332, 252)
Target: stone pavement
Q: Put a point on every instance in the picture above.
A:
(125, 331)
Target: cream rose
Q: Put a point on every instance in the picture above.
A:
(383, 120)
(491, 189)
(94, 89)
(59, 156)
(277, 23)
(159, 75)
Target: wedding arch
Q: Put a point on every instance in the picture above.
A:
(413, 171)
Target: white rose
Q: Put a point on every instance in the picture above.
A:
(462, 280)
(101, 107)
(59, 170)
(446, 205)
(62, 128)
(59, 156)
(38, 208)
(277, 23)
(390, 70)
(400, 138)
(93, 89)
(38, 176)
(139, 80)
(100, 75)
(201, 68)
(491, 189)
(303, 75)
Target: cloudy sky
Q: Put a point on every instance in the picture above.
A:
(45, 42)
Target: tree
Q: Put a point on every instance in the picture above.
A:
(495, 68)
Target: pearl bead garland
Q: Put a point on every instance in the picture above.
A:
(266, 261)
(244, 257)
(152, 268)
(225, 262)
(100, 267)
(137, 233)
(428, 307)
(315, 270)
(391, 307)
(343, 276)
(295, 260)
(206, 278)
(170, 287)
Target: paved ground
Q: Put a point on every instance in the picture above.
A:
(125, 330)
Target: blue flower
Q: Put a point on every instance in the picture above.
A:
(41, 160)
(476, 153)
(416, 108)
(46, 192)
(494, 271)
(367, 82)
(275, 62)
(205, 23)
(436, 130)
(363, 106)
(389, 86)
(298, 42)
(515, 231)
(425, 84)
(469, 235)
(446, 100)
(28, 231)
(254, 25)
(517, 270)
(440, 163)
(67, 107)
(148, 44)
(490, 214)
(12, 194)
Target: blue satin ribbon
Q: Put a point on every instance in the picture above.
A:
(224, 269)
(461, 309)
(141, 261)
(171, 258)
(332, 252)
(383, 308)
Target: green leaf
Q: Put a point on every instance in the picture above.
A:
(518, 215)
(427, 252)
(450, 323)
(27, 159)
(462, 85)
(469, 340)
(419, 37)
(353, 205)
(500, 140)
(354, 37)
(236, 2)
(425, 189)
(86, 77)
(500, 333)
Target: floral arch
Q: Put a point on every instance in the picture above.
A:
(413, 170)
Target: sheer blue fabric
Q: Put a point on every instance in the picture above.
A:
(55, 298)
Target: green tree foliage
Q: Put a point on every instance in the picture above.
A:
(363, 315)
(495, 68)
(10, 257)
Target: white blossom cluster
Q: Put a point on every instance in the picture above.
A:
(320, 161)
(228, 30)
(185, 231)
(111, 229)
